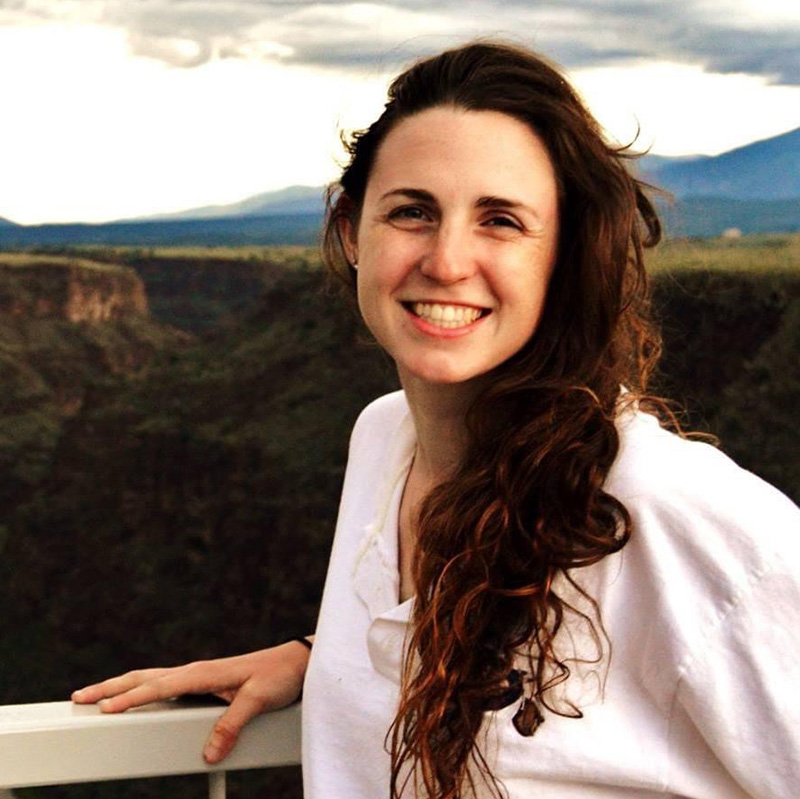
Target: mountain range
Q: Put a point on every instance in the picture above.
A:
(291, 200)
(763, 170)
(755, 188)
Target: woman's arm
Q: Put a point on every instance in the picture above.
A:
(253, 683)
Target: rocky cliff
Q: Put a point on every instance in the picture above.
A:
(66, 324)
(194, 289)
(69, 289)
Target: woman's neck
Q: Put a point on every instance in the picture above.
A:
(439, 412)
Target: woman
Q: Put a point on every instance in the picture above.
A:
(513, 513)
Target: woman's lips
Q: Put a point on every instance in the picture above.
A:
(446, 316)
(444, 319)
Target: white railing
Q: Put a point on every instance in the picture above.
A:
(55, 743)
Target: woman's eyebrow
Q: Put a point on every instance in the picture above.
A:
(414, 194)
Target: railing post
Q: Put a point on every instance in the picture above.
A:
(216, 785)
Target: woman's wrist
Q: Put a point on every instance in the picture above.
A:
(306, 644)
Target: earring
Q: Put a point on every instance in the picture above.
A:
(354, 264)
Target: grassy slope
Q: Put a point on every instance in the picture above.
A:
(185, 492)
(48, 363)
(730, 314)
(760, 255)
(29, 259)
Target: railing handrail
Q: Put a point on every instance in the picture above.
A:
(54, 743)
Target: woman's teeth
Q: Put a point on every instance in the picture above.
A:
(446, 315)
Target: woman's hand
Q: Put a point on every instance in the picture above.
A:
(254, 683)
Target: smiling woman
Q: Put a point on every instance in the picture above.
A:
(495, 244)
(452, 278)
(518, 508)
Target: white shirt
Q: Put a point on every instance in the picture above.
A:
(701, 696)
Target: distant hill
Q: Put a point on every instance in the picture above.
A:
(650, 164)
(764, 170)
(291, 200)
(225, 231)
(755, 188)
(710, 216)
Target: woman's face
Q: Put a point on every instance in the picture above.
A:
(456, 242)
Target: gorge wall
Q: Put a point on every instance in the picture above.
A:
(72, 290)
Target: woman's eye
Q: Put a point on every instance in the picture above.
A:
(503, 221)
(412, 212)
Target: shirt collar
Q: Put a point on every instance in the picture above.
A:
(376, 578)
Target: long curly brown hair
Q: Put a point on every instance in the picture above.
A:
(527, 505)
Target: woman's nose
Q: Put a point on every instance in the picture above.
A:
(450, 257)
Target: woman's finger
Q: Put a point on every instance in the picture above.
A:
(152, 691)
(114, 686)
(244, 707)
(196, 678)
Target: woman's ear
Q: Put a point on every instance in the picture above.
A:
(347, 235)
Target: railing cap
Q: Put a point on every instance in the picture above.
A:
(52, 743)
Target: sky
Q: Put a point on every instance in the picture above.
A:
(115, 109)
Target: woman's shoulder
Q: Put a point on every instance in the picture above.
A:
(387, 408)
(699, 603)
(687, 497)
(380, 419)
(382, 436)
(655, 463)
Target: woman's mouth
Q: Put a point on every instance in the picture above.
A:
(446, 316)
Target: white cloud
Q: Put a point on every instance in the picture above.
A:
(172, 50)
(754, 36)
(682, 109)
(752, 12)
(116, 109)
(106, 136)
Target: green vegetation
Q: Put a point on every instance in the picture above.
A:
(194, 289)
(31, 259)
(48, 363)
(176, 492)
(289, 254)
(762, 254)
(711, 216)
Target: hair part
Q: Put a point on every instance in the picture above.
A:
(527, 506)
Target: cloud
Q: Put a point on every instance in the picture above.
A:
(774, 55)
(727, 36)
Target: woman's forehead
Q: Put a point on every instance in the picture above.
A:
(452, 151)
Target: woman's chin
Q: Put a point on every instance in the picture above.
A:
(438, 374)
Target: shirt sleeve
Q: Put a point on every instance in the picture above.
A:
(742, 692)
